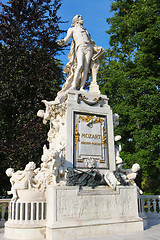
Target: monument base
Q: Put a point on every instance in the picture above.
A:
(74, 213)
(20, 232)
(27, 216)
(93, 230)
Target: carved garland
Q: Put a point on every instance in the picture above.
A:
(84, 99)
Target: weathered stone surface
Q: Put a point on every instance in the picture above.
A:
(101, 210)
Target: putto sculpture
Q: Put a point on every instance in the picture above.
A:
(21, 180)
(84, 56)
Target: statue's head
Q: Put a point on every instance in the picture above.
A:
(30, 166)
(115, 119)
(135, 168)
(117, 138)
(9, 172)
(40, 113)
(76, 19)
(45, 158)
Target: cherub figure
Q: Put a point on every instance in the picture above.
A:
(21, 179)
(129, 175)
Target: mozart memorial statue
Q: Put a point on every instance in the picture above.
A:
(83, 57)
(82, 188)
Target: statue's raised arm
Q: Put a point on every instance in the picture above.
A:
(64, 41)
(84, 56)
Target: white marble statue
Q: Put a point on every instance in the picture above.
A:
(40, 181)
(53, 158)
(84, 56)
(21, 179)
(129, 175)
(55, 113)
(126, 175)
(52, 165)
(117, 139)
(115, 119)
(118, 149)
(51, 172)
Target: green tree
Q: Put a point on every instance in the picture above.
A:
(129, 75)
(29, 73)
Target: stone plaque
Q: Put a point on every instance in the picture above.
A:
(90, 141)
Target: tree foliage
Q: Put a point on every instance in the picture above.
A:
(129, 75)
(29, 73)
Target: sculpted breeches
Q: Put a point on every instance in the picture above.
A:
(84, 54)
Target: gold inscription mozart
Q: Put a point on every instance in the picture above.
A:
(93, 143)
(94, 136)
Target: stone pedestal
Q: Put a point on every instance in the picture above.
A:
(27, 216)
(74, 213)
(81, 138)
(89, 131)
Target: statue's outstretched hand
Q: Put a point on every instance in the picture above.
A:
(61, 42)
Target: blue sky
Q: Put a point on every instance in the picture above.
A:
(94, 14)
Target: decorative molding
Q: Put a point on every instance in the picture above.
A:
(104, 138)
(76, 136)
(79, 160)
(90, 119)
(84, 99)
(101, 161)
